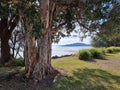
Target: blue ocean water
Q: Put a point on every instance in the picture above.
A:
(58, 50)
(61, 49)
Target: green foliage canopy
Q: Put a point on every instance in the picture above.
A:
(109, 34)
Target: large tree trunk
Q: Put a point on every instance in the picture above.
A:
(38, 59)
(43, 66)
(40, 67)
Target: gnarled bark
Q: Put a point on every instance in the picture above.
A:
(30, 52)
(43, 66)
(40, 66)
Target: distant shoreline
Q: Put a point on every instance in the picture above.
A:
(75, 45)
(58, 51)
(55, 57)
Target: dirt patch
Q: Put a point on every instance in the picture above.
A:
(113, 64)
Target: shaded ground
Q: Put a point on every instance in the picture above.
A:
(18, 84)
(14, 80)
(81, 75)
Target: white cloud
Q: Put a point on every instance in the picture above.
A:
(69, 40)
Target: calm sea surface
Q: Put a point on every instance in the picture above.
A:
(58, 50)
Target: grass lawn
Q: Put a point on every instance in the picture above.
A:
(82, 75)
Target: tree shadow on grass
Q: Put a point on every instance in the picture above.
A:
(88, 79)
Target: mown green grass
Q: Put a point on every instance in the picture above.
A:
(82, 75)
(113, 56)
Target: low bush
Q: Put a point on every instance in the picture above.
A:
(113, 49)
(102, 50)
(110, 50)
(97, 53)
(16, 62)
(85, 55)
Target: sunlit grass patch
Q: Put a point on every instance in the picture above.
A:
(114, 56)
(82, 75)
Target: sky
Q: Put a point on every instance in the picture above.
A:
(72, 39)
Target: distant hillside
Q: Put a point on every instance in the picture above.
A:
(77, 44)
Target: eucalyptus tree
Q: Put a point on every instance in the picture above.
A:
(9, 18)
(109, 34)
(48, 20)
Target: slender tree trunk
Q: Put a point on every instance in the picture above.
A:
(5, 48)
(30, 49)
(6, 28)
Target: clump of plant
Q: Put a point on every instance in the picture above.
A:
(16, 62)
(117, 49)
(113, 50)
(102, 50)
(85, 55)
(110, 50)
(97, 53)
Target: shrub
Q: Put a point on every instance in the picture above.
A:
(102, 50)
(97, 53)
(116, 49)
(16, 62)
(110, 50)
(113, 49)
(85, 55)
